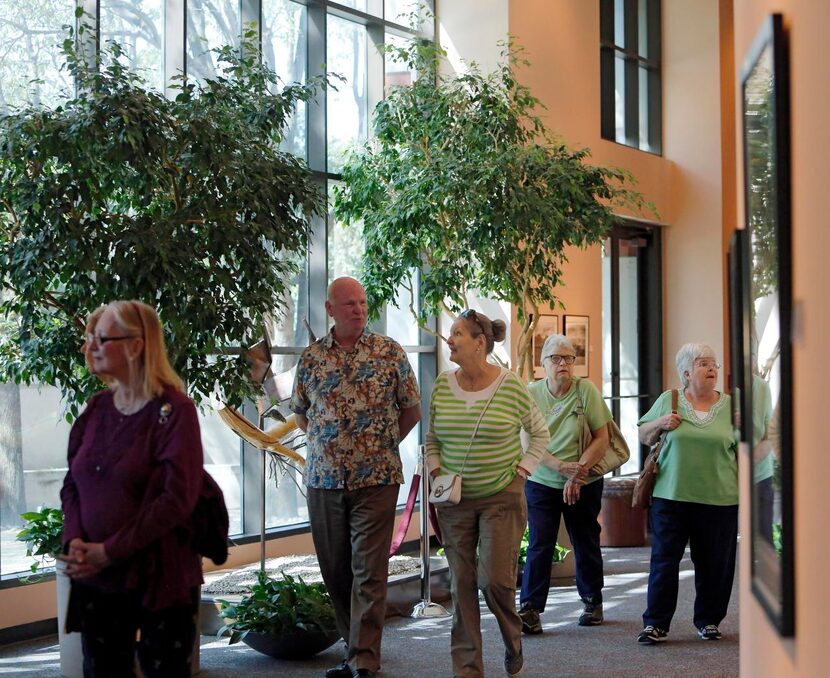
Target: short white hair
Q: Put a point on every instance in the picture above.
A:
(686, 356)
(553, 343)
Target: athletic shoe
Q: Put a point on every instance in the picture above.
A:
(651, 635)
(709, 632)
(530, 620)
(591, 614)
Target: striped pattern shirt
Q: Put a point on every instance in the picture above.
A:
(496, 449)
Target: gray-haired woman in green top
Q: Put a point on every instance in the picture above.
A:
(695, 498)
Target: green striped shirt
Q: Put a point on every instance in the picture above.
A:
(496, 449)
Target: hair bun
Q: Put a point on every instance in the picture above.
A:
(499, 330)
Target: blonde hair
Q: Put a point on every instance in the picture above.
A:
(153, 370)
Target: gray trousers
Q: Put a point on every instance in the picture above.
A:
(493, 526)
(352, 532)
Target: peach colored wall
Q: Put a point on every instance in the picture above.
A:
(561, 38)
(763, 652)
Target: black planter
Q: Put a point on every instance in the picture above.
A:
(297, 644)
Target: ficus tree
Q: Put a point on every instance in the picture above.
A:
(186, 203)
(465, 187)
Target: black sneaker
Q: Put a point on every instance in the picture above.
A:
(591, 614)
(651, 635)
(531, 623)
(709, 632)
(342, 670)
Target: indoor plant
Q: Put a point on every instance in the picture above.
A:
(464, 190)
(285, 618)
(42, 536)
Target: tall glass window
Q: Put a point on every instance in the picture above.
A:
(31, 34)
(297, 39)
(347, 106)
(138, 27)
(630, 76)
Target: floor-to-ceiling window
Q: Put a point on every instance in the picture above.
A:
(162, 38)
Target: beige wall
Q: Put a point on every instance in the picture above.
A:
(763, 652)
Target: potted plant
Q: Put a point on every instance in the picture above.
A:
(286, 618)
(559, 553)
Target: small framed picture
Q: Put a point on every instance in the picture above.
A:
(548, 324)
(576, 329)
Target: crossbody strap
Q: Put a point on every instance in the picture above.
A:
(480, 417)
(674, 397)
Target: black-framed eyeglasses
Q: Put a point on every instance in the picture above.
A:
(559, 359)
(90, 338)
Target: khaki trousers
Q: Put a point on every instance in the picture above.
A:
(493, 527)
(352, 532)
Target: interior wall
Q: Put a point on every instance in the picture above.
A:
(763, 651)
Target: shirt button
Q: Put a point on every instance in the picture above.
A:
(97, 468)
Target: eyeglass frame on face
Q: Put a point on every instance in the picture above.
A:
(90, 337)
(706, 363)
(558, 359)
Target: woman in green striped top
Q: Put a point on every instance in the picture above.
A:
(476, 413)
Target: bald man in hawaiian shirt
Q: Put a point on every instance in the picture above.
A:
(356, 397)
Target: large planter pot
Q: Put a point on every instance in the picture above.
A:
(71, 652)
(297, 644)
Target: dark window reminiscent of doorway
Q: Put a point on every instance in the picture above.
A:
(630, 80)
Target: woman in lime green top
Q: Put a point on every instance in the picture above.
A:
(695, 498)
(562, 487)
(476, 414)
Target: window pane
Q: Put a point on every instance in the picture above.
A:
(400, 323)
(642, 28)
(354, 4)
(287, 327)
(396, 73)
(284, 36)
(33, 440)
(347, 109)
(31, 34)
(138, 27)
(619, 23)
(222, 449)
(210, 24)
(619, 98)
(645, 96)
(345, 247)
(408, 447)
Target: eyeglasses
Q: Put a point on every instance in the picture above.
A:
(559, 359)
(707, 364)
(91, 338)
(470, 314)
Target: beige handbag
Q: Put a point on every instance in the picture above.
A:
(617, 452)
(644, 487)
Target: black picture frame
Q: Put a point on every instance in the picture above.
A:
(767, 411)
(739, 333)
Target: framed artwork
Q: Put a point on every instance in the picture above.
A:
(738, 329)
(548, 324)
(767, 411)
(576, 329)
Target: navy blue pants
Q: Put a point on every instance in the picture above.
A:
(545, 506)
(711, 532)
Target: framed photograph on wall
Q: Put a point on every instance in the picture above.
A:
(576, 329)
(767, 410)
(548, 324)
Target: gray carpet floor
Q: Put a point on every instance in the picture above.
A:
(419, 648)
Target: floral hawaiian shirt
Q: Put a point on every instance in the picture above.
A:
(352, 400)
